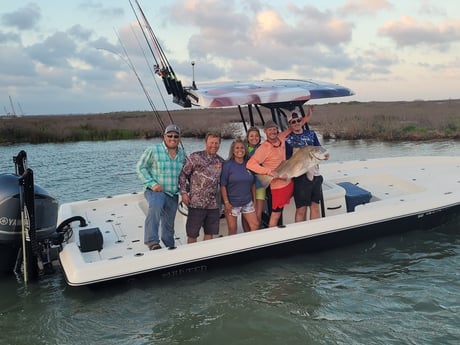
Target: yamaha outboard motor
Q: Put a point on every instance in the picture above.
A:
(46, 210)
(42, 216)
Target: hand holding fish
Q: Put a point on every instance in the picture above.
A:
(302, 161)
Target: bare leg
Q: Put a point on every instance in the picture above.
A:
(301, 214)
(274, 217)
(259, 206)
(251, 220)
(245, 224)
(231, 224)
(314, 210)
(191, 240)
(207, 237)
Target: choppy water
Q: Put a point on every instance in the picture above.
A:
(396, 290)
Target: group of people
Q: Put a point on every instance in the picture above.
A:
(205, 181)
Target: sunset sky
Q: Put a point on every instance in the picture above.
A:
(61, 57)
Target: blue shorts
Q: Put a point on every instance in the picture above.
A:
(209, 219)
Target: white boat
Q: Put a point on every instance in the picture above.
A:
(362, 200)
(100, 240)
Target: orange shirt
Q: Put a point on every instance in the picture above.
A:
(267, 158)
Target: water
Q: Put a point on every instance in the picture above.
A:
(396, 290)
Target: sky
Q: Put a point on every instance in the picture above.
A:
(65, 57)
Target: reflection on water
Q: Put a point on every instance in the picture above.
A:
(396, 290)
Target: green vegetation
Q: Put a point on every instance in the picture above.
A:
(384, 121)
(389, 121)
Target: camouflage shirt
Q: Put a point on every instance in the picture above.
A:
(200, 177)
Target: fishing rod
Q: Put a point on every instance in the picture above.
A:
(156, 84)
(164, 63)
(126, 58)
(149, 99)
(147, 94)
(162, 66)
(152, 72)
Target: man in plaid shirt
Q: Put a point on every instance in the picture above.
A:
(159, 168)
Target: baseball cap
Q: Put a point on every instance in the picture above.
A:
(293, 115)
(270, 124)
(172, 128)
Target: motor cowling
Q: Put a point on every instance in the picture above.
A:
(46, 211)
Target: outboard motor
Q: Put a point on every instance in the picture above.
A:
(46, 211)
(42, 217)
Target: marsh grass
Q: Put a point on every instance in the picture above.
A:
(385, 121)
(389, 121)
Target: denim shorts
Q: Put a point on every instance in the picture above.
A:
(248, 208)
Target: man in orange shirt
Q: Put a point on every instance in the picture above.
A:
(265, 160)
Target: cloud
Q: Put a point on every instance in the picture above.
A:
(24, 18)
(260, 41)
(408, 31)
(14, 63)
(429, 9)
(373, 64)
(79, 32)
(102, 11)
(54, 50)
(9, 37)
(364, 7)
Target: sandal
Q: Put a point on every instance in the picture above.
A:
(154, 246)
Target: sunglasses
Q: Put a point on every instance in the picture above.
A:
(295, 121)
(175, 136)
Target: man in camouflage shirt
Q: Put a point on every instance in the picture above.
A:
(200, 189)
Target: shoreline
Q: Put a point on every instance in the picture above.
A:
(383, 121)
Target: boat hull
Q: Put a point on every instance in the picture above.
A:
(320, 242)
(407, 193)
(310, 243)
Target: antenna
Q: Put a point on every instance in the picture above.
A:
(13, 112)
(193, 76)
(20, 108)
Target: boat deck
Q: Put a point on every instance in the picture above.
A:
(397, 185)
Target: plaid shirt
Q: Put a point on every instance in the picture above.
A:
(157, 167)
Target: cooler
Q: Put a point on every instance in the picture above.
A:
(355, 195)
(334, 199)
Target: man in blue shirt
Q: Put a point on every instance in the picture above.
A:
(159, 168)
(306, 193)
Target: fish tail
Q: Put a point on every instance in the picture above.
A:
(264, 179)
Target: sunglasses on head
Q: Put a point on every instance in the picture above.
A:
(295, 121)
(175, 136)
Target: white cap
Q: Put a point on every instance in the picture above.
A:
(293, 115)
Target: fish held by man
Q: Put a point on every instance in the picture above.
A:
(304, 160)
